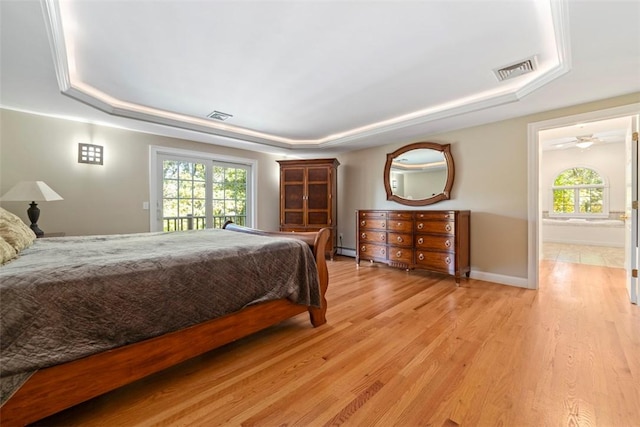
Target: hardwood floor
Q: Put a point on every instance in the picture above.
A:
(407, 349)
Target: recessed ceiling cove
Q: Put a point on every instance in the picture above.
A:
(300, 74)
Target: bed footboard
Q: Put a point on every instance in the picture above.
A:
(317, 241)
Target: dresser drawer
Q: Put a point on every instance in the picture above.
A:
(400, 239)
(379, 224)
(435, 216)
(401, 255)
(371, 251)
(438, 261)
(373, 236)
(441, 227)
(400, 225)
(400, 215)
(372, 215)
(430, 241)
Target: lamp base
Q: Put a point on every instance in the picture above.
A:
(34, 213)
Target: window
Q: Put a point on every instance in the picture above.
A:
(196, 190)
(579, 192)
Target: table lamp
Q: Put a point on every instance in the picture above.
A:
(34, 191)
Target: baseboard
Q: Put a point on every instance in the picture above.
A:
(346, 252)
(519, 282)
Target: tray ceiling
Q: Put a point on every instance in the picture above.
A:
(307, 74)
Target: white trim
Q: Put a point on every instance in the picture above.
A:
(534, 213)
(156, 150)
(55, 33)
(519, 282)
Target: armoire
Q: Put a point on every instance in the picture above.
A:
(308, 197)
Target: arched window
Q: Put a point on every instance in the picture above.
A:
(579, 192)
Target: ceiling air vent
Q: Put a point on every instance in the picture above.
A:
(219, 115)
(517, 69)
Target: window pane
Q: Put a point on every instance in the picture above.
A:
(230, 207)
(185, 189)
(218, 207)
(563, 201)
(170, 207)
(200, 173)
(218, 174)
(170, 169)
(170, 188)
(199, 208)
(591, 200)
(199, 190)
(578, 176)
(185, 207)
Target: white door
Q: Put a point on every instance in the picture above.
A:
(632, 235)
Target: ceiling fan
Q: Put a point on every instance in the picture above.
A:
(582, 141)
(586, 141)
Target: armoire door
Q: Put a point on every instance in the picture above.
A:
(318, 197)
(292, 197)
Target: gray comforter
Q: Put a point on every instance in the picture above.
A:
(66, 298)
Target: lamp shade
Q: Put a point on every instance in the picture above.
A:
(30, 191)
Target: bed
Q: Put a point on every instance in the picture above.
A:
(93, 355)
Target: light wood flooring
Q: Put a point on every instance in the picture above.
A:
(407, 349)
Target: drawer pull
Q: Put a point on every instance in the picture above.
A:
(420, 226)
(447, 227)
(383, 224)
(420, 240)
(363, 235)
(363, 223)
(363, 248)
(447, 243)
(399, 254)
(447, 260)
(383, 237)
(382, 251)
(400, 239)
(399, 224)
(421, 256)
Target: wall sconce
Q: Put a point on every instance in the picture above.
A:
(90, 154)
(394, 184)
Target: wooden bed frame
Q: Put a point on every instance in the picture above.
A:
(53, 389)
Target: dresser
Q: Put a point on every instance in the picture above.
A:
(430, 240)
(308, 197)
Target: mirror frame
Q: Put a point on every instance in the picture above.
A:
(445, 149)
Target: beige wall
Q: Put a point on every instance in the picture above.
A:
(491, 180)
(101, 199)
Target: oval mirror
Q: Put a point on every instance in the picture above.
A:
(419, 174)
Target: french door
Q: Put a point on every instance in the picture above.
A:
(194, 192)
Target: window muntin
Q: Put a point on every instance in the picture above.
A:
(579, 192)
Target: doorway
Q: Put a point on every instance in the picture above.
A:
(593, 141)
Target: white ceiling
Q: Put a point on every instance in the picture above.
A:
(303, 77)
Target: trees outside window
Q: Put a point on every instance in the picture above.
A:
(579, 192)
(198, 193)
